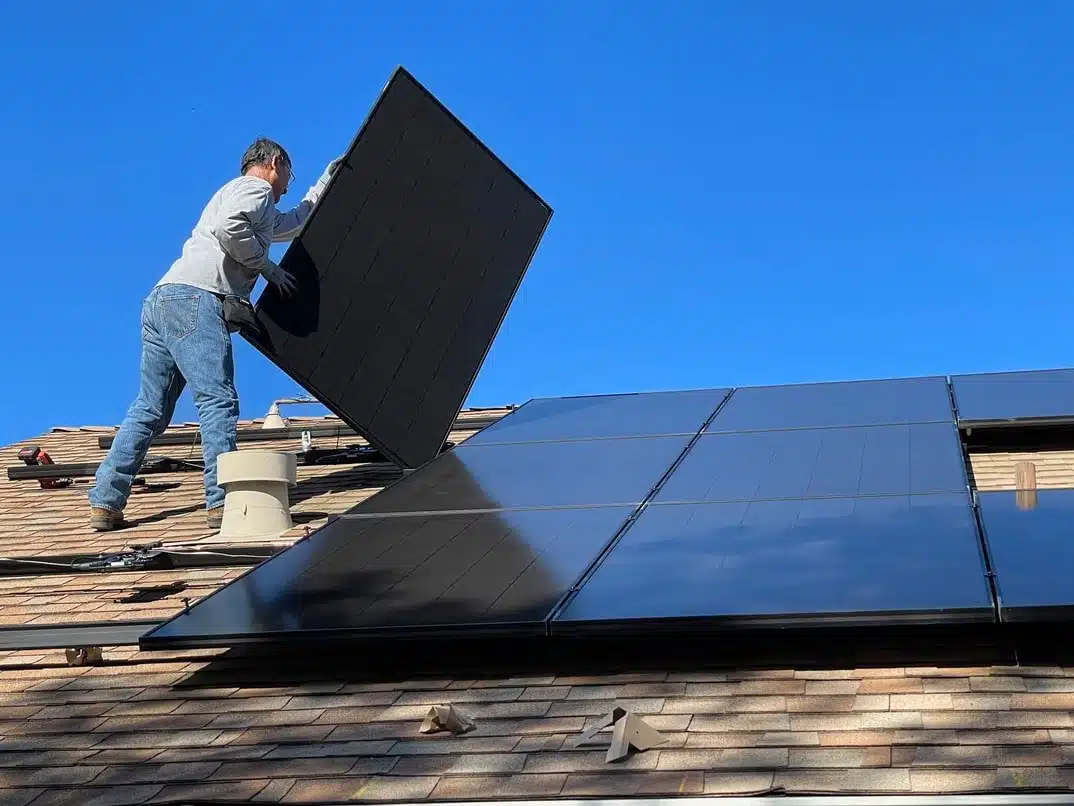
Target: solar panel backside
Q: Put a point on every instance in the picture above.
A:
(405, 270)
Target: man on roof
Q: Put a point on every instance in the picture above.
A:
(185, 337)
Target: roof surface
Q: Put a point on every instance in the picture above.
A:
(215, 724)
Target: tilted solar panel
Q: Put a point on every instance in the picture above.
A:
(1014, 397)
(405, 271)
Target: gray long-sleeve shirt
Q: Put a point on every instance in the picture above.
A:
(229, 246)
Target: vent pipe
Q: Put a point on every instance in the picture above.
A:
(276, 420)
(256, 497)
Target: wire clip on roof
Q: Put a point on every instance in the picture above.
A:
(446, 717)
(628, 730)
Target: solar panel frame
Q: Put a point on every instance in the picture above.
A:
(970, 390)
(412, 414)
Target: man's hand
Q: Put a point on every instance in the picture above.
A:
(284, 281)
(314, 193)
(279, 277)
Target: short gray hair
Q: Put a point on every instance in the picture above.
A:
(262, 152)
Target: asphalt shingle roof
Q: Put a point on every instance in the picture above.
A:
(167, 725)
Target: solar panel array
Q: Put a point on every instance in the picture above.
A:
(712, 509)
(716, 509)
(404, 272)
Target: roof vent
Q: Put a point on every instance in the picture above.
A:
(276, 420)
(256, 504)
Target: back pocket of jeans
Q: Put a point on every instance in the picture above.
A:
(179, 315)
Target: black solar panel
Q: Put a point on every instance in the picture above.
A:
(865, 560)
(1031, 539)
(604, 416)
(1005, 397)
(406, 269)
(540, 474)
(808, 463)
(836, 405)
(489, 573)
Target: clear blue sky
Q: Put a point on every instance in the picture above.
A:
(745, 192)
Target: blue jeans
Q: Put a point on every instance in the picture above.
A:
(184, 340)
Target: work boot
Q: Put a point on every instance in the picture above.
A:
(105, 520)
(215, 518)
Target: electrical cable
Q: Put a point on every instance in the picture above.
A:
(25, 561)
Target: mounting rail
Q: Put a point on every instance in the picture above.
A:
(352, 455)
(291, 432)
(65, 636)
(138, 558)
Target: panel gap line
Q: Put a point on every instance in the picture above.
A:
(986, 558)
(431, 558)
(468, 444)
(462, 243)
(597, 561)
(488, 264)
(425, 513)
(833, 497)
(330, 264)
(899, 424)
(432, 301)
(404, 204)
(539, 556)
(975, 508)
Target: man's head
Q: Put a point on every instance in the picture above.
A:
(269, 161)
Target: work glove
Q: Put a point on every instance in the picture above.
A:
(279, 277)
(314, 193)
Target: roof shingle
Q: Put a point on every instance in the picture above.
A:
(162, 726)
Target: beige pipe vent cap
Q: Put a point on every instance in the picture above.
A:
(256, 497)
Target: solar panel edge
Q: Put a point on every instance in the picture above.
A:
(774, 623)
(458, 121)
(398, 73)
